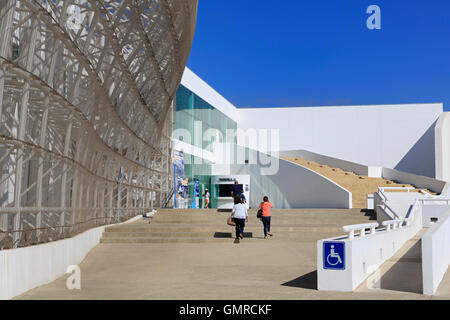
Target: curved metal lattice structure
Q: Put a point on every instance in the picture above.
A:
(86, 93)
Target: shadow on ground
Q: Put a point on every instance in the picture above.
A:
(230, 235)
(306, 281)
(369, 213)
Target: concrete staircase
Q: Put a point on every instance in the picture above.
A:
(360, 186)
(197, 226)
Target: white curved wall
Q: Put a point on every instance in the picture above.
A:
(25, 268)
(435, 254)
(304, 188)
(288, 185)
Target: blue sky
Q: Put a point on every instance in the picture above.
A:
(268, 53)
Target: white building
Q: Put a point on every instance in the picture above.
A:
(399, 137)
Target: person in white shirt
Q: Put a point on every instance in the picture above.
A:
(240, 217)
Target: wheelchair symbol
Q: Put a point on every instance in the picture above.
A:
(335, 256)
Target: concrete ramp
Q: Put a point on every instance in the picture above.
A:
(402, 272)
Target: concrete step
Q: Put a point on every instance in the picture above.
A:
(253, 216)
(253, 219)
(167, 234)
(273, 210)
(305, 237)
(339, 222)
(190, 226)
(216, 228)
(194, 232)
(162, 240)
(186, 227)
(253, 213)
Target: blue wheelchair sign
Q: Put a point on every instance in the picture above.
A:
(334, 255)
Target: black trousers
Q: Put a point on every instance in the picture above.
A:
(240, 225)
(266, 223)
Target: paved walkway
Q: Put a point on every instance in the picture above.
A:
(264, 270)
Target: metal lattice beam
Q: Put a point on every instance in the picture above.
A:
(86, 87)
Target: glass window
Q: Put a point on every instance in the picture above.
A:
(191, 108)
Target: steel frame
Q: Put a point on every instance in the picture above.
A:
(77, 104)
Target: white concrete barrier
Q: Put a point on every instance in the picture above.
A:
(414, 179)
(363, 255)
(289, 186)
(398, 205)
(434, 209)
(435, 254)
(442, 147)
(370, 201)
(25, 268)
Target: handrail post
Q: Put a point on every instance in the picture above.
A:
(350, 229)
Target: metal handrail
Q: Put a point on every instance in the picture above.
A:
(390, 209)
(381, 190)
(425, 192)
(447, 200)
(396, 188)
(169, 196)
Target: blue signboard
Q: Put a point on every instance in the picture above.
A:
(178, 179)
(334, 255)
(195, 198)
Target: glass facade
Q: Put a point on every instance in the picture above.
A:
(198, 117)
(202, 172)
(192, 111)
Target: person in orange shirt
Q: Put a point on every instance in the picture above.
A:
(265, 206)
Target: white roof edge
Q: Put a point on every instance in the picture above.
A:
(197, 85)
(345, 106)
